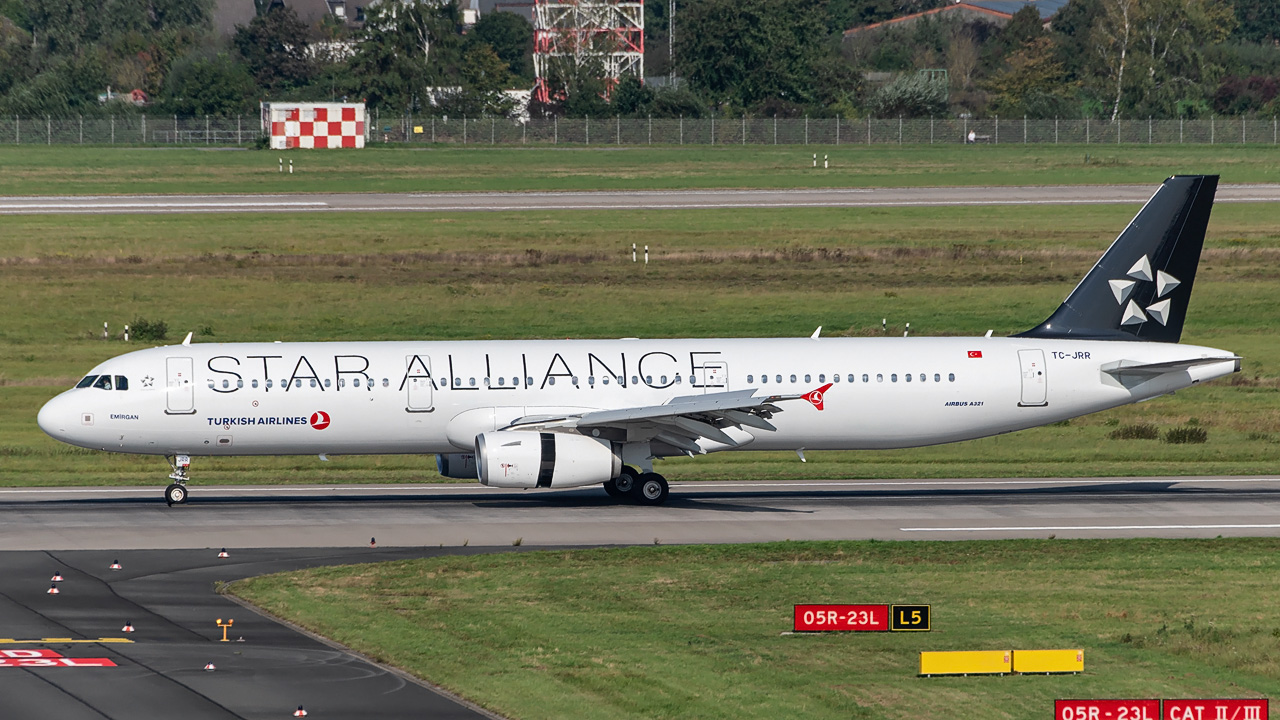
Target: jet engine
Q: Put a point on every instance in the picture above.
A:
(460, 466)
(543, 459)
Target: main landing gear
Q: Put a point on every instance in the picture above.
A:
(176, 493)
(645, 488)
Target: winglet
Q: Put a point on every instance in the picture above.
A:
(187, 339)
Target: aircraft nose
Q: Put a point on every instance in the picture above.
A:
(55, 417)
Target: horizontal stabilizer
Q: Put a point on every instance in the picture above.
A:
(1133, 367)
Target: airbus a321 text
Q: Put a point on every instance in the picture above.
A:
(568, 413)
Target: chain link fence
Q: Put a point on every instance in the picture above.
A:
(245, 129)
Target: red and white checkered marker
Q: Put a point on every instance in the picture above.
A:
(315, 125)
(223, 554)
(299, 712)
(57, 577)
(115, 565)
(128, 627)
(209, 666)
(53, 590)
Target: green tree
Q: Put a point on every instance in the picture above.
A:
(15, 54)
(1034, 82)
(484, 77)
(407, 52)
(275, 46)
(741, 52)
(511, 37)
(910, 95)
(632, 97)
(1258, 20)
(209, 86)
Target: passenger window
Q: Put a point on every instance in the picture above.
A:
(297, 382)
(551, 381)
(822, 378)
(937, 377)
(764, 379)
(662, 380)
(834, 378)
(270, 384)
(356, 382)
(750, 379)
(865, 378)
(806, 378)
(893, 377)
(575, 379)
(471, 382)
(591, 380)
(908, 376)
(210, 384)
(386, 383)
(634, 380)
(486, 382)
(951, 377)
(923, 378)
(239, 384)
(502, 382)
(122, 383)
(777, 378)
(793, 378)
(879, 377)
(226, 384)
(87, 381)
(313, 382)
(679, 379)
(103, 383)
(604, 379)
(253, 384)
(648, 379)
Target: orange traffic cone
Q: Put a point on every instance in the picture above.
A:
(128, 627)
(115, 565)
(209, 666)
(299, 712)
(57, 577)
(223, 554)
(53, 590)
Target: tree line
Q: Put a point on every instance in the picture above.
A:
(785, 58)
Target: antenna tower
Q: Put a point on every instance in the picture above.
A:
(568, 33)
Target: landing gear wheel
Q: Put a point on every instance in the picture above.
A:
(625, 483)
(175, 494)
(651, 489)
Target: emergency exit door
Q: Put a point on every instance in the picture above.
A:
(180, 395)
(1035, 389)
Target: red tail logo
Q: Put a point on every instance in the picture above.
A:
(815, 396)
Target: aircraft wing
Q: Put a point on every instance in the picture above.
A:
(682, 421)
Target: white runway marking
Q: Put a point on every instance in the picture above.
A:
(154, 205)
(1066, 528)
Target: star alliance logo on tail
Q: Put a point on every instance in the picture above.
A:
(1123, 288)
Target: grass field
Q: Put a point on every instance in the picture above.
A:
(696, 631)
(389, 276)
(34, 170)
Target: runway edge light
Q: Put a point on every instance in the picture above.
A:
(57, 577)
(53, 590)
(223, 553)
(300, 712)
(115, 565)
(128, 627)
(209, 667)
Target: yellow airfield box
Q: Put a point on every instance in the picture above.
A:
(1048, 661)
(982, 662)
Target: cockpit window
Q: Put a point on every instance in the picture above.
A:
(104, 382)
(87, 381)
(122, 382)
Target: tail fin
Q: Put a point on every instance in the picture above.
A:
(1140, 288)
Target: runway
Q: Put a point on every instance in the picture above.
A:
(697, 512)
(166, 587)
(611, 200)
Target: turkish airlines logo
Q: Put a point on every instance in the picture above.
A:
(320, 420)
(815, 396)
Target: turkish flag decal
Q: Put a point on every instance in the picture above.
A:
(975, 353)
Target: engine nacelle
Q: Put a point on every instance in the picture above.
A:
(543, 459)
(460, 466)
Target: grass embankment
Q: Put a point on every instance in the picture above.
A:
(401, 276)
(695, 631)
(69, 170)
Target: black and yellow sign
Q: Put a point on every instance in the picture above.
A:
(909, 618)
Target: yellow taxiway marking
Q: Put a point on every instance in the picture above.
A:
(11, 641)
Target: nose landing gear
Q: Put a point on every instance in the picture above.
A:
(176, 493)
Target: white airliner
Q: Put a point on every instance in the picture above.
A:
(568, 413)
